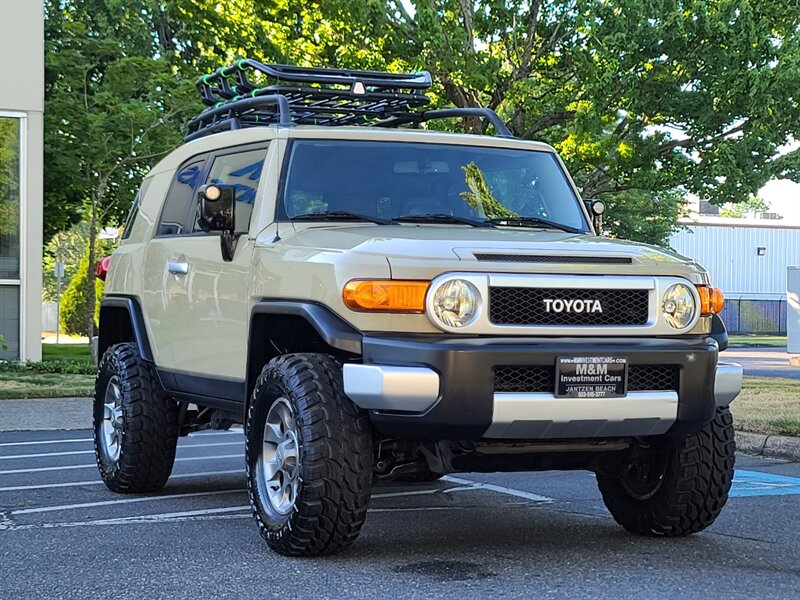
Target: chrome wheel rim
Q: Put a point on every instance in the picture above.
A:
(278, 468)
(111, 428)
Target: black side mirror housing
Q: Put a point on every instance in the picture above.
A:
(596, 208)
(217, 212)
(217, 208)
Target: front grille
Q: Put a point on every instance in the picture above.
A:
(524, 379)
(526, 306)
(543, 379)
(539, 258)
(641, 379)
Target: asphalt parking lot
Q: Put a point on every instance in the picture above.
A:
(532, 535)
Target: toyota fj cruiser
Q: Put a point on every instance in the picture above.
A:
(374, 300)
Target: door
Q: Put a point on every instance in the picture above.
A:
(206, 298)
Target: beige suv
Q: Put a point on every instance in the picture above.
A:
(374, 301)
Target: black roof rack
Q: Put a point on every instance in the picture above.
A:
(250, 94)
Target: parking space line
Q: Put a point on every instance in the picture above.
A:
(94, 465)
(89, 440)
(39, 442)
(42, 509)
(69, 453)
(187, 515)
(75, 452)
(499, 489)
(44, 486)
(758, 483)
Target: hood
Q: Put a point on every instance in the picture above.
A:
(412, 248)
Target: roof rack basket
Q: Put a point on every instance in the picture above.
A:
(250, 94)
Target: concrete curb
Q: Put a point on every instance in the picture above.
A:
(770, 446)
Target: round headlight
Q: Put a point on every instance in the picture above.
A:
(456, 303)
(678, 306)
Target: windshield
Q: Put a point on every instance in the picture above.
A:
(384, 181)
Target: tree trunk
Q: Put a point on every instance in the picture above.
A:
(90, 292)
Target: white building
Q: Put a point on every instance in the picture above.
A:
(748, 259)
(21, 159)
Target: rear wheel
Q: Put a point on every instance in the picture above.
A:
(309, 457)
(135, 425)
(674, 491)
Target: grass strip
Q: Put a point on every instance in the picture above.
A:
(774, 341)
(25, 384)
(768, 405)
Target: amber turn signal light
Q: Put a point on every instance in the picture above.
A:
(711, 300)
(385, 295)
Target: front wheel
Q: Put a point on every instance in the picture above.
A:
(674, 491)
(309, 457)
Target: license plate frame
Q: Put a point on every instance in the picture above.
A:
(591, 377)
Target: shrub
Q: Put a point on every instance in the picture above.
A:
(64, 367)
(75, 309)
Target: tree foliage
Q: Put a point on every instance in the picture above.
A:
(650, 217)
(635, 94)
(740, 209)
(640, 97)
(78, 307)
(69, 247)
(113, 108)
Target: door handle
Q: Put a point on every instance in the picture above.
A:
(177, 267)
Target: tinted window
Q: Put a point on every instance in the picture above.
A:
(242, 170)
(181, 198)
(393, 179)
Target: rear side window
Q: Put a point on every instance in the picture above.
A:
(134, 211)
(181, 198)
(242, 170)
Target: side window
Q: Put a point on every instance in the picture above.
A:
(243, 171)
(134, 211)
(181, 198)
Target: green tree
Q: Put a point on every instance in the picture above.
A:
(69, 247)
(650, 217)
(638, 96)
(751, 205)
(113, 108)
(79, 308)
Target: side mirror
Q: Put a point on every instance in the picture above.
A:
(596, 208)
(216, 212)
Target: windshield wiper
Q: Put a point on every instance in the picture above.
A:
(340, 215)
(443, 218)
(526, 221)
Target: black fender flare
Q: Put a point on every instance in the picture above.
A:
(112, 331)
(336, 332)
(331, 328)
(719, 332)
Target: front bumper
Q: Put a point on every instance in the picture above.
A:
(442, 387)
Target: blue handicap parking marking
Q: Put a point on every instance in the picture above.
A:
(756, 483)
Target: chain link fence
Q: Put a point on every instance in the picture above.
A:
(762, 317)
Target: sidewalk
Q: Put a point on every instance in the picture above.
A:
(45, 414)
(762, 362)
